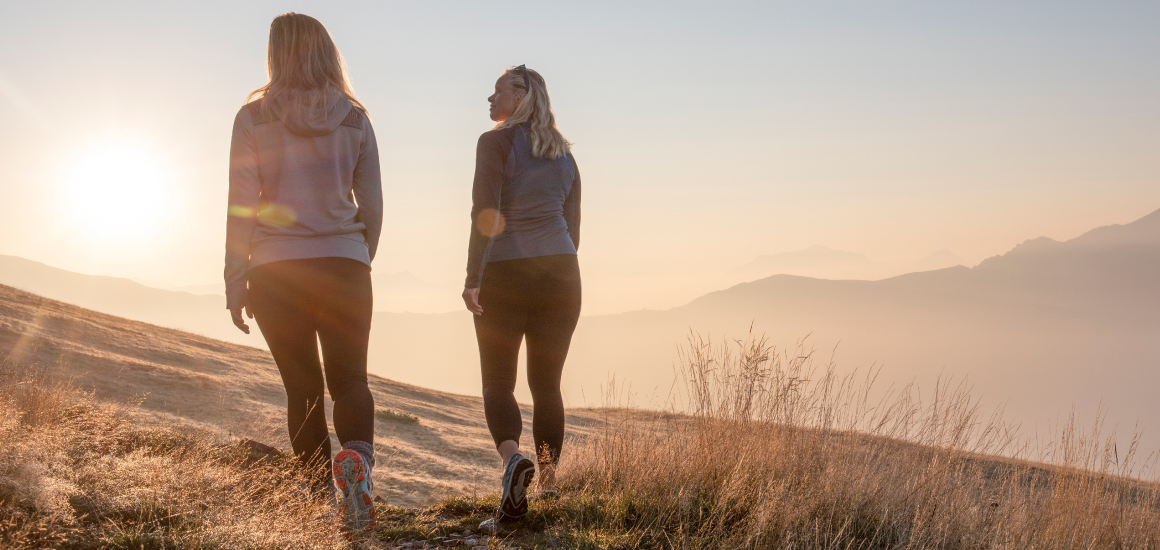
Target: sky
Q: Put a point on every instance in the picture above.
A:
(708, 133)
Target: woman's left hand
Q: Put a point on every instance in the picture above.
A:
(471, 298)
(239, 321)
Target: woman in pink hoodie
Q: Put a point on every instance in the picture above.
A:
(305, 213)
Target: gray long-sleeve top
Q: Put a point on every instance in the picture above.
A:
(303, 184)
(537, 201)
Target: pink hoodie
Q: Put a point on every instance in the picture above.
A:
(304, 183)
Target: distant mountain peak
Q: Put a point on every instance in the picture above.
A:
(1145, 230)
(1110, 251)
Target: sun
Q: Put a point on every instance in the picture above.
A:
(118, 192)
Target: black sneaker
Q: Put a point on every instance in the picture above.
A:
(517, 476)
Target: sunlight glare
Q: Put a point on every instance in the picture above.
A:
(118, 192)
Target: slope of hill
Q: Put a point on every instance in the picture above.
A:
(778, 451)
(200, 309)
(186, 379)
(198, 313)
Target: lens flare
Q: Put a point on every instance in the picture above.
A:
(118, 192)
(490, 222)
(278, 215)
(240, 211)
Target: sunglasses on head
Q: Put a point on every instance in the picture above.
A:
(523, 70)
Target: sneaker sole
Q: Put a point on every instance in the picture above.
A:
(516, 505)
(358, 507)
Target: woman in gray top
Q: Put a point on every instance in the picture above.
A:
(305, 213)
(523, 278)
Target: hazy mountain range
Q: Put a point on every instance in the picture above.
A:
(1043, 327)
(197, 313)
(403, 291)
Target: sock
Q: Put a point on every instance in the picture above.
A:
(366, 450)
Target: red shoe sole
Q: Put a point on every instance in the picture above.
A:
(358, 469)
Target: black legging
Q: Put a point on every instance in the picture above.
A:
(537, 299)
(299, 304)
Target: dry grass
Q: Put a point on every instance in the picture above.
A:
(383, 414)
(235, 391)
(76, 472)
(782, 452)
(762, 449)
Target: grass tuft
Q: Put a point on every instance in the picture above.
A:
(388, 415)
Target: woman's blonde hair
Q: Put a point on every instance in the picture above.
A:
(535, 109)
(302, 59)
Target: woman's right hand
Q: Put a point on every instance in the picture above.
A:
(239, 321)
(471, 299)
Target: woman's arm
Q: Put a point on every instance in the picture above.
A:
(368, 187)
(242, 215)
(572, 209)
(490, 157)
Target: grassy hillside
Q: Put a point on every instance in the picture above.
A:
(777, 450)
(431, 443)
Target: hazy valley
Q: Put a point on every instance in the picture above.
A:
(1046, 326)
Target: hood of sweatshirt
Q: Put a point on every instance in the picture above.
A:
(311, 120)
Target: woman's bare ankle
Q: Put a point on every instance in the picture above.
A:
(507, 449)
